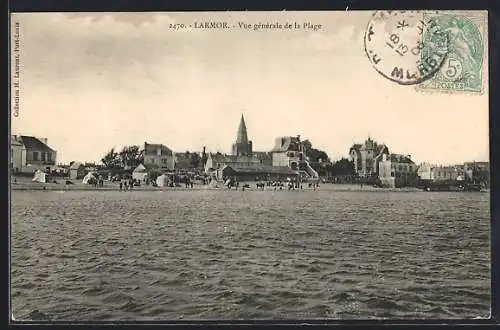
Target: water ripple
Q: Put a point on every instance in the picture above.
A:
(263, 255)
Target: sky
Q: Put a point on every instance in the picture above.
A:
(93, 81)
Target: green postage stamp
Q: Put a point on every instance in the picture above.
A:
(464, 66)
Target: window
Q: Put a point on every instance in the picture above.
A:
(42, 156)
(164, 160)
(49, 156)
(152, 160)
(35, 155)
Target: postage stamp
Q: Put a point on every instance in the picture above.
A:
(403, 48)
(463, 68)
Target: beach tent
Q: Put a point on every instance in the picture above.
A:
(140, 173)
(90, 176)
(162, 180)
(39, 177)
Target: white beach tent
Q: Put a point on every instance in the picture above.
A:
(140, 173)
(39, 177)
(88, 177)
(162, 180)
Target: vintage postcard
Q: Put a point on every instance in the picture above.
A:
(250, 165)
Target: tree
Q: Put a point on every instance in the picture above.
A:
(307, 145)
(131, 156)
(314, 154)
(342, 167)
(195, 160)
(111, 159)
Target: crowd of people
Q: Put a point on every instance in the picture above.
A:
(289, 184)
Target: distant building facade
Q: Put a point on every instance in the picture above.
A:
(289, 151)
(29, 154)
(438, 173)
(397, 170)
(366, 157)
(158, 155)
(478, 172)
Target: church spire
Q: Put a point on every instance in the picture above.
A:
(242, 136)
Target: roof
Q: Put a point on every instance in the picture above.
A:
(228, 159)
(397, 158)
(262, 154)
(31, 142)
(140, 168)
(369, 144)
(242, 136)
(151, 149)
(286, 143)
(356, 147)
(15, 140)
(258, 168)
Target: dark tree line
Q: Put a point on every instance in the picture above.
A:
(129, 156)
(132, 156)
(321, 162)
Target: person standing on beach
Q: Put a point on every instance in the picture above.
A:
(121, 185)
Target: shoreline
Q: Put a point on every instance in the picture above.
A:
(332, 187)
(79, 187)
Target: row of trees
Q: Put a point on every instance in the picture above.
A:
(321, 162)
(129, 156)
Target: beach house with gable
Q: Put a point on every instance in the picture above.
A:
(29, 154)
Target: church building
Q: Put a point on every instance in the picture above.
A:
(242, 146)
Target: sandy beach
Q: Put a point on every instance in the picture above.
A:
(27, 184)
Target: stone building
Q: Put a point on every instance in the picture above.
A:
(288, 151)
(158, 155)
(397, 171)
(366, 157)
(428, 172)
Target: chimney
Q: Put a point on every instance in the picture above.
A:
(408, 156)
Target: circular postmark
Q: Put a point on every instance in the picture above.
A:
(406, 47)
